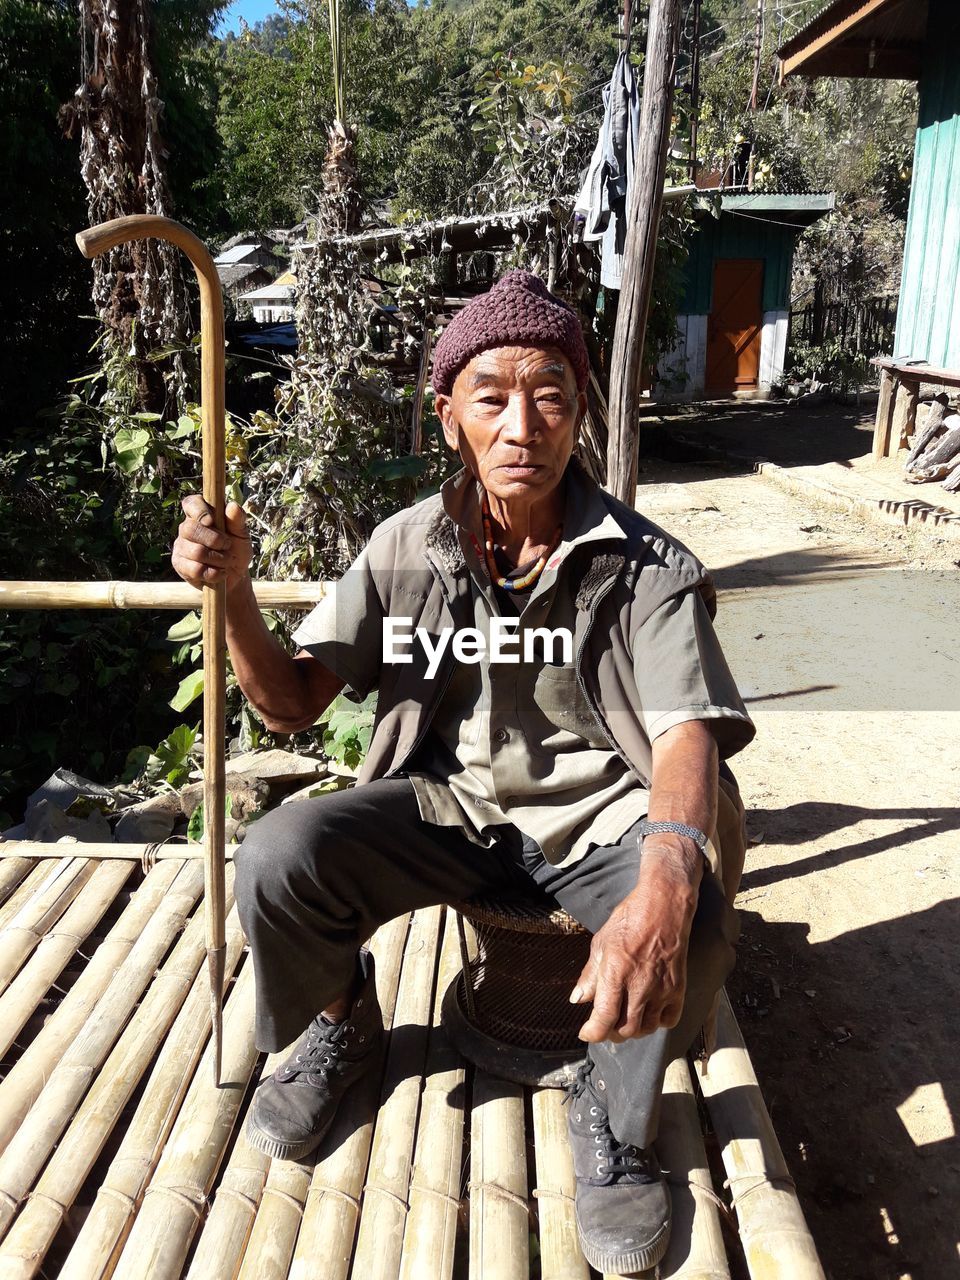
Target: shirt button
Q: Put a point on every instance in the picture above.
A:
(501, 735)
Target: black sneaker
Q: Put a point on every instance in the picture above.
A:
(622, 1201)
(294, 1108)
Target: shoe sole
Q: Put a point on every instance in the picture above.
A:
(627, 1263)
(283, 1150)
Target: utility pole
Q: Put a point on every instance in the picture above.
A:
(695, 91)
(757, 50)
(643, 223)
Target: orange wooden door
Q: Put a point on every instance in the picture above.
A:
(735, 325)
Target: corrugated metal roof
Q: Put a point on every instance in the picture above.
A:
(237, 254)
(881, 39)
(270, 292)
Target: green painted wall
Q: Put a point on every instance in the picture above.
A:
(928, 321)
(738, 236)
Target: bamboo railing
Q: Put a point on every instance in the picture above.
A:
(146, 595)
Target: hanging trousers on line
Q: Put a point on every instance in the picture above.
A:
(315, 879)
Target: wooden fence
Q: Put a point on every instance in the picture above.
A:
(864, 328)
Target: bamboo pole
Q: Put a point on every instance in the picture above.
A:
(429, 1240)
(176, 1197)
(333, 1201)
(105, 1229)
(81, 1060)
(212, 413)
(24, 1081)
(774, 1234)
(560, 1254)
(220, 1249)
(384, 1212)
(270, 1246)
(499, 1215)
(696, 1250)
(101, 1107)
(24, 931)
(12, 872)
(120, 851)
(147, 595)
(57, 948)
(36, 883)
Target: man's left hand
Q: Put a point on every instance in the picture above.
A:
(637, 972)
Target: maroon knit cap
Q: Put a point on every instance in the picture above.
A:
(519, 311)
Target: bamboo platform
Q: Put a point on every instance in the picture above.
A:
(119, 1157)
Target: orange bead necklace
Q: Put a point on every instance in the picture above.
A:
(496, 577)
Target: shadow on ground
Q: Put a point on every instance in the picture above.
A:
(784, 432)
(863, 1025)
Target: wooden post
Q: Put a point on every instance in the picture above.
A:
(904, 416)
(881, 428)
(643, 221)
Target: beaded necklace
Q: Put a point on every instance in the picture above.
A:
(529, 578)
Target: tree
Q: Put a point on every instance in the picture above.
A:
(43, 280)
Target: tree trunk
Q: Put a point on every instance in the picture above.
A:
(139, 289)
(643, 222)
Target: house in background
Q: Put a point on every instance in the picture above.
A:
(907, 40)
(246, 262)
(272, 303)
(734, 318)
(240, 277)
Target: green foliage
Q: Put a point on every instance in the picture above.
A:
(829, 362)
(171, 761)
(195, 825)
(347, 730)
(43, 279)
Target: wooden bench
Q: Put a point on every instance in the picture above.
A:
(900, 382)
(120, 1157)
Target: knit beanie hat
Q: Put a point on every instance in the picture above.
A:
(519, 311)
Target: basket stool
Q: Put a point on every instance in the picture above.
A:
(508, 1011)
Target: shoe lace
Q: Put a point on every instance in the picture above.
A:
(615, 1160)
(324, 1042)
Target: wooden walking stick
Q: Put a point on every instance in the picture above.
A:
(92, 242)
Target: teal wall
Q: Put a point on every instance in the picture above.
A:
(738, 236)
(928, 320)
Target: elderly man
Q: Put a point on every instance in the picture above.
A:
(552, 709)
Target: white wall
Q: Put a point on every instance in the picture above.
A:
(773, 348)
(683, 371)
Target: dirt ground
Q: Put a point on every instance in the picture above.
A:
(843, 637)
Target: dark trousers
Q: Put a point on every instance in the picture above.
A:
(316, 878)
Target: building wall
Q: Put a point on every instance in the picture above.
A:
(683, 371)
(739, 236)
(928, 320)
(773, 347)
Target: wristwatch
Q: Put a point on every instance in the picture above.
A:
(648, 828)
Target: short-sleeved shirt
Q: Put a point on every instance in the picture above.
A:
(517, 742)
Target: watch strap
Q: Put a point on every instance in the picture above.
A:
(648, 827)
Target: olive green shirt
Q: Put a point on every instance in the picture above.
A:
(517, 742)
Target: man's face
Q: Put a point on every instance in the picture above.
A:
(513, 416)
